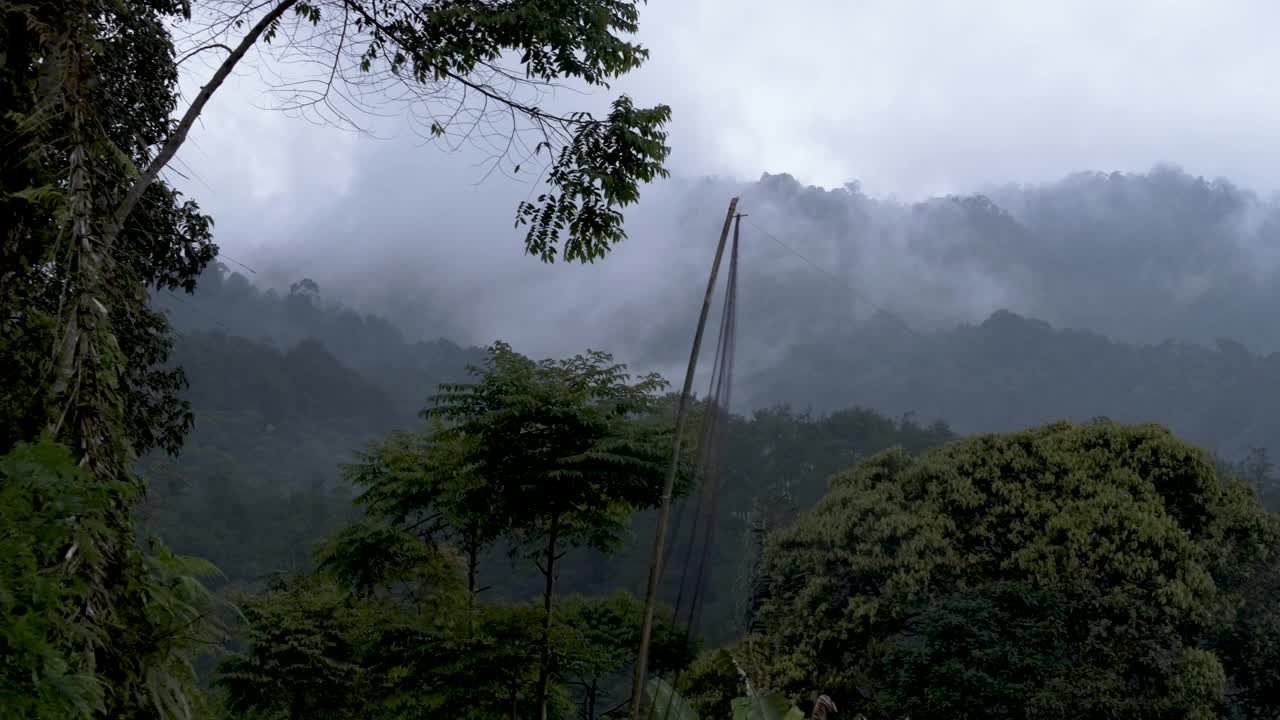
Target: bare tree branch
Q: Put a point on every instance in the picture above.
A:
(202, 48)
(179, 135)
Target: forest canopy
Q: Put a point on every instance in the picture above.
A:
(1069, 570)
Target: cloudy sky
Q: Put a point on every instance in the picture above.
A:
(910, 97)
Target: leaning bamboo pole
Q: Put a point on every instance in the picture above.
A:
(668, 485)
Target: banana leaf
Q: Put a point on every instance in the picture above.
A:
(773, 706)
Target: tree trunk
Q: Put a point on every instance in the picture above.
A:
(591, 700)
(85, 406)
(544, 669)
(473, 569)
(188, 120)
(473, 566)
(87, 346)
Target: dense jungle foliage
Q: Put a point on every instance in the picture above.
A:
(220, 500)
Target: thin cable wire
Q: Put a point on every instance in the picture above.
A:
(224, 256)
(706, 441)
(199, 311)
(834, 278)
(711, 453)
(717, 445)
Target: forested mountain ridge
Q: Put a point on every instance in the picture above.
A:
(405, 370)
(1137, 256)
(1010, 372)
(285, 388)
(258, 486)
(1140, 257)
(258, 481)
(1005, 372)
(277, 416)
(1150, 259)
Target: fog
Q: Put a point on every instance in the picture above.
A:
(909, 101)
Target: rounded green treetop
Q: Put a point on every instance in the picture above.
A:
(1096, 570)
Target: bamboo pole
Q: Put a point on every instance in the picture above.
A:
(668, 485)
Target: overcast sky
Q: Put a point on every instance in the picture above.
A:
(910, 97)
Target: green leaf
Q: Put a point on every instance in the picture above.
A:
(44, 195)
(771, 706)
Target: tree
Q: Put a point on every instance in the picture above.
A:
(1249, 645)
(47, 508)
(424, 484)
(712, 684)
(98, 114)
(308, 654)
(396, 640)
(124, 95)
(382, 632)
(602, 634)
(88, 92)
(545, 456)
(563, 450)
(319, 650)
(88, 88)
(37, 482)
(453, 63)
(1062, 571)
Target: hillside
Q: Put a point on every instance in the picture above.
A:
(258, 481)
(287, 386)
(276, 416)
(1011, 372)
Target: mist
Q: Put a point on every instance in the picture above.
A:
(901, 164)
(1141, 257)
(896, 109)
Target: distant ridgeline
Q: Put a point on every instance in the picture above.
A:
(329, 334)
(1127, 260)
(1011, 372)
(284, 388)
(1139, 257)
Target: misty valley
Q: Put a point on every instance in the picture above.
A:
(260, 482)
(1000, 453)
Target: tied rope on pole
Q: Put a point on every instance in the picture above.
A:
(709, 477)
(668, 483)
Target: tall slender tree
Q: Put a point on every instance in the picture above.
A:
(88, 88)
(565, 451)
